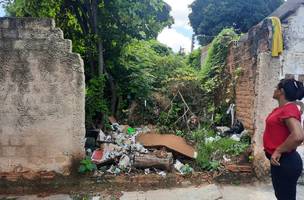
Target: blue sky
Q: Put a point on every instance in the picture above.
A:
(1, 11)
(180, 33)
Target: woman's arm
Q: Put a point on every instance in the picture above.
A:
(295, 138)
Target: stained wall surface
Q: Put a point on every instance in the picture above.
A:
(42, 91)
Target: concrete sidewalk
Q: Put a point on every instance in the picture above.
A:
(255, 191)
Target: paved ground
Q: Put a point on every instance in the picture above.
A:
(255, 191)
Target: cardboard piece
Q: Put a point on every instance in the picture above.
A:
(170, 141)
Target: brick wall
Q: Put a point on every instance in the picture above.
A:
(243, 56)
(239, 57)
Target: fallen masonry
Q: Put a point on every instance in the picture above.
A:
(127, 150)
(124, 149)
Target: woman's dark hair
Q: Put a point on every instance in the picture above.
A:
(293, 89)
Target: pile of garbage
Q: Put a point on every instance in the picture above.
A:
(236, 132)
(125, 149)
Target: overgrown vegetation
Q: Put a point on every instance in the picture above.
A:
(210, 153)
(138, 80)
(216, 82)
(101, 30)
(96, 106)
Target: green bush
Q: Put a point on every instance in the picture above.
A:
(95, 105)
(194, 59)
(166, 120)
(200, 134)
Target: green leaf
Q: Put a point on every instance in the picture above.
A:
(82, 169)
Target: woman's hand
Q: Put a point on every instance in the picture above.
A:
(275, 158)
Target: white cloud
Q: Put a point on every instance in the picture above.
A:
(1, 10)
(174, 40)
(180, 11)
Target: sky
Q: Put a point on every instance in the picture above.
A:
(1, 11)
(180, 33)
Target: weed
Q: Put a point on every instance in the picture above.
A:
(210, 153)
(86, 165)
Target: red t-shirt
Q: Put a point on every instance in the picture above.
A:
(276, 131)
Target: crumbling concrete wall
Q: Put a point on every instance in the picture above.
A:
(41, 98)
(204, 53)
(271, 70)
(261, 73)
(293, 55)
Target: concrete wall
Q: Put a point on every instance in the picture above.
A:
(267, 79)
(204, 53)
(293, 56)
(261, 73)
(41, 98)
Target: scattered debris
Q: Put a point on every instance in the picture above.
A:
(114, 170)
(226, 159)
(162, 173)
(131, 131)
(112, 120)
(147, 171)
(183, 169)
(236, 137)
(221, 130)
(231, 111)
(106, 153)
(212, 139)
(124, 162)
(237, 128)
(101, 136)
(224, 131)
(126, 148)
(239, 168)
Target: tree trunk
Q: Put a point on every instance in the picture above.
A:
(101, 65)
(97, 33)
(100, 57)
(113, 89)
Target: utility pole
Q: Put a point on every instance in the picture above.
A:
(192, 42)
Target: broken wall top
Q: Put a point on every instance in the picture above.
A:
(287, 9)
(41, 96)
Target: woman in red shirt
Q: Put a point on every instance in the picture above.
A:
(283, 134)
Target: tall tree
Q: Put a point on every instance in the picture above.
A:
(209, 17)
(99, 28)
